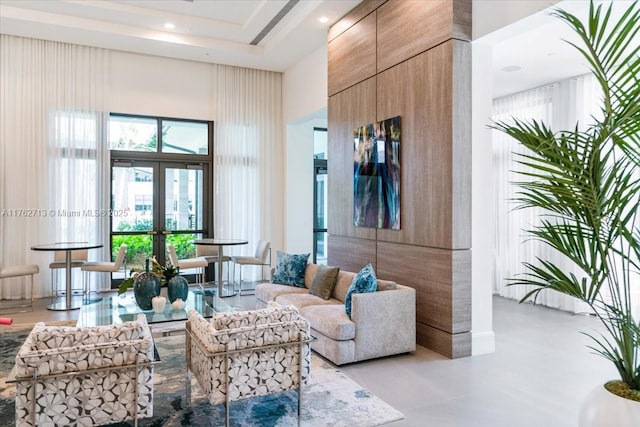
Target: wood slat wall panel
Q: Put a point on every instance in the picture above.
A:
(462, 18)
(355, 15)
(351, 254)
(424, 76)
(461, 290)
(349, 109)
(461, 145)
(429, 272)
(352, 55)
(409, 27)
(452, 346)
(420, 91)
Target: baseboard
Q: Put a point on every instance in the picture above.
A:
(482, 343)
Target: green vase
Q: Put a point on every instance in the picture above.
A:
(145, 287)
(177, 287)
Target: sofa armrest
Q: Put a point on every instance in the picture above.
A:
(385, 322)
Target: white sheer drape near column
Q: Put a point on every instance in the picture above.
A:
(513, 246)
(53, 154)
(560, 105)
(247, 112)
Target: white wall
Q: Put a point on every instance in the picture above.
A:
(152, 85)
(305, 87)
(492, 15)
(305, 107)
(482, 240)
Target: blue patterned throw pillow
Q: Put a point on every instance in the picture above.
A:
(365, 281)
(290, 269)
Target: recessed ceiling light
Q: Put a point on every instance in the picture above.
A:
(323, 19)
(511, 68)
(169, 26)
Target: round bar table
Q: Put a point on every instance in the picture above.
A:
(68, 247)
(220, 243)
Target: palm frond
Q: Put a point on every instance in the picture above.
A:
(587, 183)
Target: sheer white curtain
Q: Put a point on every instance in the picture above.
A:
(248, 138)
(513, 246)
(53, 157)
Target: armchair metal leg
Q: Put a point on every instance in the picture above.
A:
(187, 387)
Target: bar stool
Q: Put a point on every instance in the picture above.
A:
(263, 251)
(78, 258)
(101, 267)
(19, 271)
(186, 263)
(212, 254)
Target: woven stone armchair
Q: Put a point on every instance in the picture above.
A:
(242, 354)
(85, 376)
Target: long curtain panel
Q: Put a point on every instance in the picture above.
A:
(53, 157)
(513, 246)
(247, 110)
(562, 105)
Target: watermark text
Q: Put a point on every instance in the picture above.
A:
(94, 213)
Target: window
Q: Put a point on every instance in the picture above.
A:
(158, 135)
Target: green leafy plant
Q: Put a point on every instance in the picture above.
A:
(588, 183)
(164, 273)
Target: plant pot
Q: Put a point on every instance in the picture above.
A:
(602, 408)
(145, 287)
(178, 287)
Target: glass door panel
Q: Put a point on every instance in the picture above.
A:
(164, 202)
(132, 192)
(183, 199)
(183, 207)
(320, 212)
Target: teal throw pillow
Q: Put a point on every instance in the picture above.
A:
(290, 269)
(365, 281)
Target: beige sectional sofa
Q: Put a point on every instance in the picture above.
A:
(382, 323)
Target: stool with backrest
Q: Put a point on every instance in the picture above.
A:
(78, 258)
(186, 263)
(262, 258)
(101, 267)
(19, 271)
(212, 254)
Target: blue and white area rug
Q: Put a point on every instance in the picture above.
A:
(330, 399)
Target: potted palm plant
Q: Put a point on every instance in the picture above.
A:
(588, 183)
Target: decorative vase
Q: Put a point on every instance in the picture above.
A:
(145, 287)
(178, 287)
(159, 303)
(602, 408)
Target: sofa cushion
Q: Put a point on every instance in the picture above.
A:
(303, 300)
(343, 283)
(290, 269)
(46, 337)
(365, 281)
(330, 320)
(310, 274)
(239, 319)
(324, 282)
(270, 291)
(386, 285)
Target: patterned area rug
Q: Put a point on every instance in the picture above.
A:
(331, 398)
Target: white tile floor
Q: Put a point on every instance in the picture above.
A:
(538, 375)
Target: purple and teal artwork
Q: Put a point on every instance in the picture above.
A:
(376, 175)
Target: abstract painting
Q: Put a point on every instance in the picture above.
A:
(376, 175)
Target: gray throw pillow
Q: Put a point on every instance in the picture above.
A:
(324, 282)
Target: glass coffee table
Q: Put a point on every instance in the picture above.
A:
(123, 308)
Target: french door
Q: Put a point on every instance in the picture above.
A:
(156, 203)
